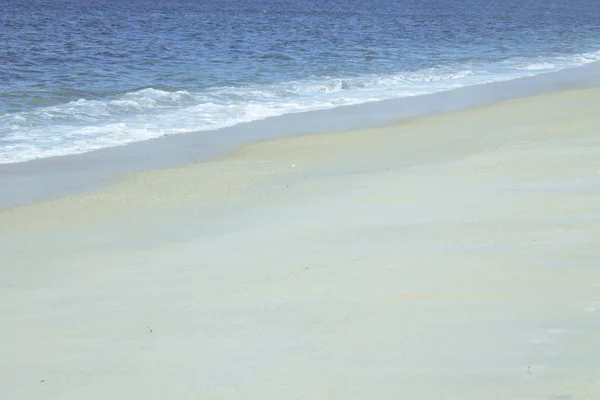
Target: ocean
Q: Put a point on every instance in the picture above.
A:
(77, 76)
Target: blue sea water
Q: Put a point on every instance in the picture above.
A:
(82, 75)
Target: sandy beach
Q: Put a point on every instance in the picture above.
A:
(453, 256)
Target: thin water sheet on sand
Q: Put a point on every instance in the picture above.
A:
(453, 257)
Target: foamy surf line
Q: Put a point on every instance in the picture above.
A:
(85, 125)
(40, 179)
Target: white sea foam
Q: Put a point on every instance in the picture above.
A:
(537, 67)
(85, 125)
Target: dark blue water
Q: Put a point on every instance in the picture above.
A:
(77, 76)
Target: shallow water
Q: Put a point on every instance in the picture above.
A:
(81, 76)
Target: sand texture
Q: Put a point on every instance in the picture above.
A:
(449, 257)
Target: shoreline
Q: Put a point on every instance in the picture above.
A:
(37, 180)
(452, 256)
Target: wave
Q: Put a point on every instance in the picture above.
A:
(90, 124)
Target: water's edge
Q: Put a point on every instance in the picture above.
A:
(33, 181)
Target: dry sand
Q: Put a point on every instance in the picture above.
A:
(449, 257)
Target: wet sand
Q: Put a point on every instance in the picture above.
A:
(452, 256)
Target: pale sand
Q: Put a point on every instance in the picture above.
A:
(449, 257)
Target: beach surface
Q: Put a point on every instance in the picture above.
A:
(453, 256)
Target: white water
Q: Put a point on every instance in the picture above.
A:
(86, 125)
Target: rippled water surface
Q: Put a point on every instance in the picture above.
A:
(77, 76)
